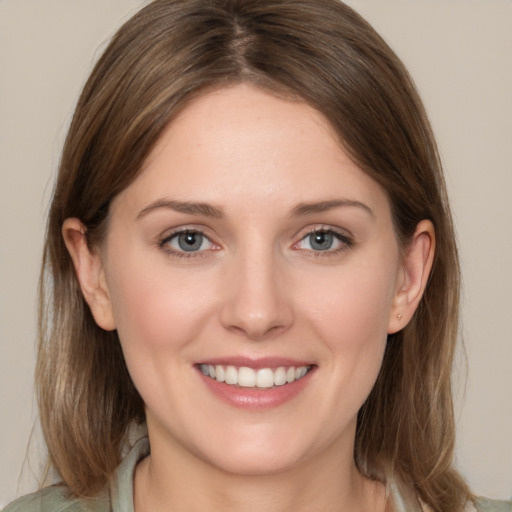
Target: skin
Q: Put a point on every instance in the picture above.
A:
(256, 288)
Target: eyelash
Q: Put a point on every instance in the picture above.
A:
(164, 244)
(345, 241)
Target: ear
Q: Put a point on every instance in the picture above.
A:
(89, 271)
(412, 280)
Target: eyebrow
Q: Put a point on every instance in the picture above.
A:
(204, 209)
(207, 210)
(322, 206)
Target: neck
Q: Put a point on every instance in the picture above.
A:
(175, 480)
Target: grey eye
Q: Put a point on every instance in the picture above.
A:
(190, 241)
(324, 240)
(321, 240)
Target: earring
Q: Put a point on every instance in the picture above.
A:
(399, 316)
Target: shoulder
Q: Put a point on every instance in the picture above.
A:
(486, 505)
(118, 498)
(55, 499)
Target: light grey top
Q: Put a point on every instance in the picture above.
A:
(120, 495)
(119, 499)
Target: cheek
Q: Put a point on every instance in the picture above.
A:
(155, 308)
(158, 314)
(349, 312)
(352, 304)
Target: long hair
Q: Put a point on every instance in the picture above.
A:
(320, 52)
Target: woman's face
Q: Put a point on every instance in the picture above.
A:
(253, 247)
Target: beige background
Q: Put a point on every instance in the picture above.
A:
(460, 54)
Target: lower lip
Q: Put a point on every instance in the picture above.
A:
(256, 398)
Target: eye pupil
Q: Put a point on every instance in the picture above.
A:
(190, 241)
(321, 240)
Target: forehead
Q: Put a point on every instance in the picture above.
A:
(245, 143)
(245, 117)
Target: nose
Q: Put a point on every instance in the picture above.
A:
(256, 303)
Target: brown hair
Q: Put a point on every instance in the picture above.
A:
(325, 54)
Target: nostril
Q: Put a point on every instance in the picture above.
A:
(255, 305)
(256, 334)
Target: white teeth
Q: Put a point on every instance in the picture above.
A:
(248, 378)
(220, 375)
(300, 372)
(231, 375)
(264, 378)
(280, 376)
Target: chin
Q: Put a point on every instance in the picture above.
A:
(250, 463)
(258, 455)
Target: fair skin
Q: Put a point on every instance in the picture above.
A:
(251, 240)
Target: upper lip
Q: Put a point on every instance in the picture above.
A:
(255, 363)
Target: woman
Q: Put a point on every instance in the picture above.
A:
(251, 252)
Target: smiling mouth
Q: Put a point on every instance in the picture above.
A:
(262, 378)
